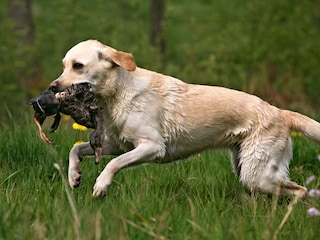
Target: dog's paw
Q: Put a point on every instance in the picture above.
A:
(302, 193)
(74, 177)
(99, 189)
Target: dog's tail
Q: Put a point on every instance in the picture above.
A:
(304, 124)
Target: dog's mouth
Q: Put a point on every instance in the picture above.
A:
(57, 87)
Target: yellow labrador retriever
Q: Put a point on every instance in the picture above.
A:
(151, 117)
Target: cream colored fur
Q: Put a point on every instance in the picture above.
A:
(151, 117)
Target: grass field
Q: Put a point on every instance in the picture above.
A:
(268, 48)
(198, 199)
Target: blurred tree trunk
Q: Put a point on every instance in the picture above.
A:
(20, 13)
(157, 10)
(27, 67)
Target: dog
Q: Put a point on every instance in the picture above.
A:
(153, 118)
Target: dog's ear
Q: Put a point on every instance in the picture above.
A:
(123, 59)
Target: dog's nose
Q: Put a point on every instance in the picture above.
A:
(54, 86)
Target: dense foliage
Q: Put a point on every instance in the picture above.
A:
(269, 48)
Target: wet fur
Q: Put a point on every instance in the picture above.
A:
(151, 117)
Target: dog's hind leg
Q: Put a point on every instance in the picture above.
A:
(265, 167)
(276, 171)
(84, 149)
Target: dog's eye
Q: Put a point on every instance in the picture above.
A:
(77, 66)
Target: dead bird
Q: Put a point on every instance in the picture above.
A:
(80, 103)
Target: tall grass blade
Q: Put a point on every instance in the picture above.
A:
(10, 176)
(286, 216)
(71, 202)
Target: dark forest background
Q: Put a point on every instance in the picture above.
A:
(268, 48)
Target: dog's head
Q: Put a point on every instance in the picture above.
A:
(90, 62)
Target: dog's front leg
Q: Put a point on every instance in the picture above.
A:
(84, 149)
(75, 157)
(147, 151)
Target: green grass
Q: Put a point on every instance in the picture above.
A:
(198, 199)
